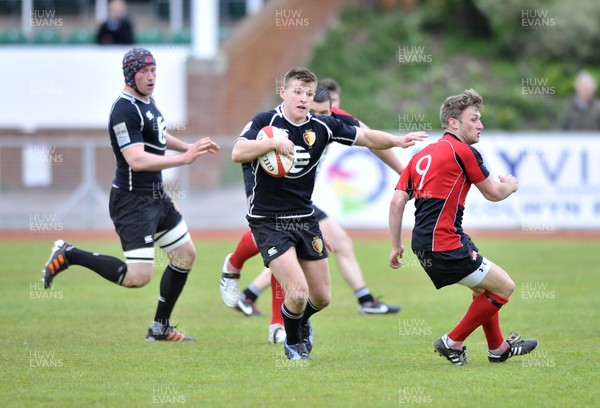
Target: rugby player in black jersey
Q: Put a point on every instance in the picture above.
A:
(280, 212)
(140, 208)
(341, 244)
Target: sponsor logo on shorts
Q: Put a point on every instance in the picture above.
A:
(272, 251)
(148, 239)
(317, 245)
(474, 255)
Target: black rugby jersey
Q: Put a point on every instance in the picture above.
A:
(344, 116)
(290, 196)
(132, 122)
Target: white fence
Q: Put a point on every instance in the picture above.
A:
(63, 183)
(51, 184)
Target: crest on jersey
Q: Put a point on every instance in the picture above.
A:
(309, 138)
(317, 245)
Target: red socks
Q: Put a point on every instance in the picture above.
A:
(492, 331)
(278, 298)
(482, 312)
(245, 250)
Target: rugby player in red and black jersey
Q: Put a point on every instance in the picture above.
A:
(439, 178)
(280, 212)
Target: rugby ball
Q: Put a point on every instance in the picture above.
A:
(273, 163)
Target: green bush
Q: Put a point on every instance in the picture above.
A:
(547, 29)
(402, 63)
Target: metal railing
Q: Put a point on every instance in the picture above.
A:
(55, 183)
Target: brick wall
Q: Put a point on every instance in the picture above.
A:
(224, 95)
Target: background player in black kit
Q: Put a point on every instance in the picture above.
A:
(439, 178)
(280, 212)
(142, 212)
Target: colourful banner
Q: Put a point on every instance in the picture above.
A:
(559, 176)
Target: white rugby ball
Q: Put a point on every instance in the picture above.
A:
(275, 164)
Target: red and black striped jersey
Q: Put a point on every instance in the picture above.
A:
(439, 178)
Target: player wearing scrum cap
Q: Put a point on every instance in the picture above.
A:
(142, 213)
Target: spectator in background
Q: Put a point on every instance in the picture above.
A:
(117, 29)
(583, 112)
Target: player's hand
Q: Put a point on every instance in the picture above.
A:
(511, 181)
(395, 256)
(200, 147)
(411, 138)
(285, 147)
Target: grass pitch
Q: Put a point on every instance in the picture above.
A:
(82, 342)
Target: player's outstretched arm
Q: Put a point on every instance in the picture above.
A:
(204, 145)
(390, 158)
(198, 148)
(140, 160)
(494, 190)
(411, 138)
(397, 206)
(176, 144)
(246, 150)
(378, 139)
